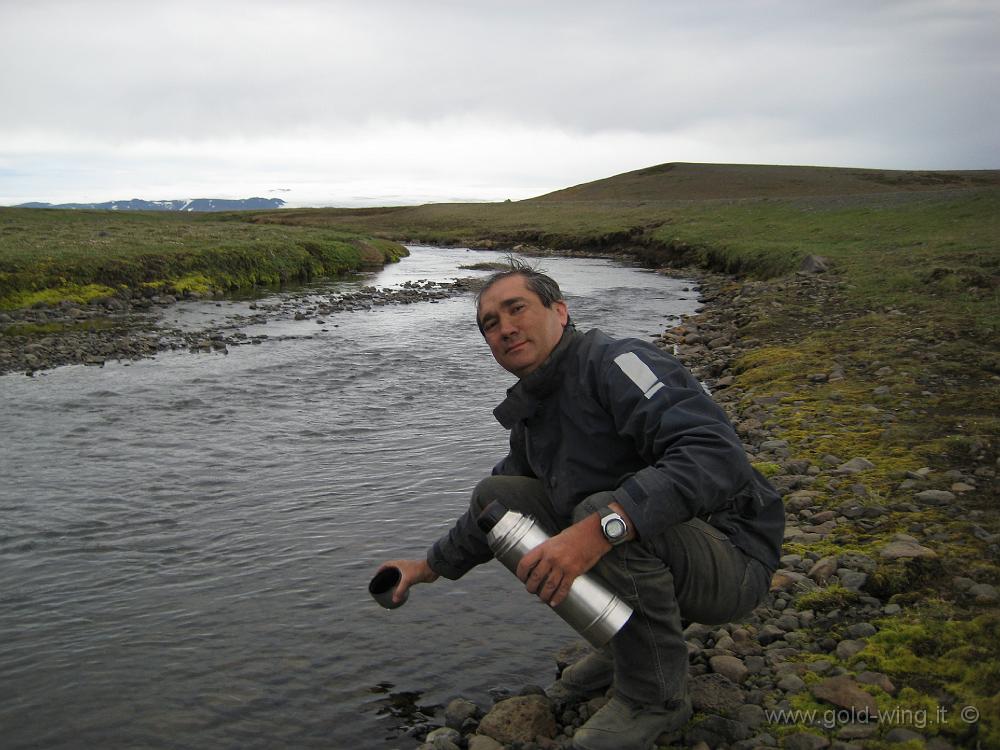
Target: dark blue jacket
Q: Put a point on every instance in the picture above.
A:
(622, 415)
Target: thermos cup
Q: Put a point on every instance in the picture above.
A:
(593, 611)
(383, 586)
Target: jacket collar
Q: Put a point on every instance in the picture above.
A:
(524, 396)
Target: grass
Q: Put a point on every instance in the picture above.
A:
(51, 255)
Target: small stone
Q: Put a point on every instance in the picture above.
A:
(848, 648)
(984, 593)
(769, 634)
(962, 487)
(791, 683)
(751, 715)
(716, 731)
(730, 667)
(444, 738)
(714, 693)
(902, 734)
(878, 679)
(805, 741)
(458, 711)
(855, 466)
(934, 497)
(906, 549)
(843, 692)
(852, 580)
(823, 568)
(482, 742)
(861, 630)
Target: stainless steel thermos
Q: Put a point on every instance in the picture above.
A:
(593, 611)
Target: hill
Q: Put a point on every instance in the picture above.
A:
(685, 181)
(195, 205)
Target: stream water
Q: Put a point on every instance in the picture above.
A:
(185, 542)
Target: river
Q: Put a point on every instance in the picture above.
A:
(186, 541)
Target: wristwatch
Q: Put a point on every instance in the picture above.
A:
(613, 525)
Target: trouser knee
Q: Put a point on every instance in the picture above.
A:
(523, 494)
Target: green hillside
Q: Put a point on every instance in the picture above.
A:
(684, 181)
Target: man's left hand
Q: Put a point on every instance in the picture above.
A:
(550, 568)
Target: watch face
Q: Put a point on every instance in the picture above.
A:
(614, 528)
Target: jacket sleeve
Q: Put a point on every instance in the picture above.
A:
(464, 546)
(696, 462)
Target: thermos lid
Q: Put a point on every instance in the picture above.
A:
(491, 516)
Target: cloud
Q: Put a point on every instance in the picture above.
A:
(439, 89)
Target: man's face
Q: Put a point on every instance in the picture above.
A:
(520, 330)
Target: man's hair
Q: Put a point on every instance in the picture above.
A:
(541, 284)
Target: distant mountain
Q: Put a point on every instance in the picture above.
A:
(196, 204)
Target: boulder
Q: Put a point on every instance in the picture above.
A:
(523, 718)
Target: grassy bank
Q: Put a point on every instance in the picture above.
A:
(52, 255)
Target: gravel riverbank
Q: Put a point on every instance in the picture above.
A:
(813, 667)
(132, 327)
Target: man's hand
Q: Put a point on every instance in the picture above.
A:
(413, 572)
(550, 568)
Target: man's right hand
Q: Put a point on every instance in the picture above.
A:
(412, 572)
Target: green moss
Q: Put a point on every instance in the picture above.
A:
(944, 661)
(767, 468)
(69, 292)
(834, 596)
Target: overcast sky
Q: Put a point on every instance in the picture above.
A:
(352, 103)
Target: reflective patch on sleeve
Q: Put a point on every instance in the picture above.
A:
(639, 373)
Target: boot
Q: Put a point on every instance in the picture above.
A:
(591, 674)
(623, 725)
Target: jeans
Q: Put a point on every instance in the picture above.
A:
(691, 572)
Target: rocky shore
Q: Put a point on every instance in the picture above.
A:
(834, 657)
(131, 327)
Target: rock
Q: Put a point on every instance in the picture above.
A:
(902, 734)
(877, 679)
(444, 738)
(716, 731)
(814, 264)
(848, 648)
(751, 715)
(458, 711)
(934, 497)
(823, 568)
(791, 683)
(906, 549)
(805, 741)
(482, 742)
(984, 593)
(861, 630)
(730, 667)
(769, 634)
(522, 718)
(714, 693)
(852, 580)
(855, 466)
(843, 692)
